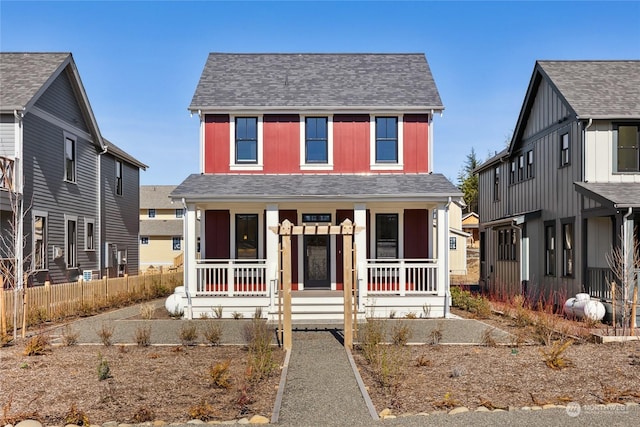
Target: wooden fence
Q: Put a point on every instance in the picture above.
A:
(59, 301)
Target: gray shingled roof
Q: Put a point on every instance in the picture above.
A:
(157, 197)
(316, 187)
(118, 152)
(614, 195)
(23, 74)
(598, 89)
(161, 227)
(316, 81)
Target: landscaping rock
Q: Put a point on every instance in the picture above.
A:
(29, 423)
(482, 409)
(458, 410)
(259, 419)
(384, 412)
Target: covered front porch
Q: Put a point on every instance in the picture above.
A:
(400, 263)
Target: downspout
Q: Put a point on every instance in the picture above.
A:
(447, 291)
(430, 143)
(98, 247)
(584, 147)
(185, 259)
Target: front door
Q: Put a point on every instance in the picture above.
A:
(316, 262)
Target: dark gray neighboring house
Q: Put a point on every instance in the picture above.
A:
(64, 171)
(567, 189)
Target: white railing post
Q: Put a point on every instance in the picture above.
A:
(402, 279)
(231, 278)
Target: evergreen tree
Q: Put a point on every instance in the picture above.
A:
(468, 182)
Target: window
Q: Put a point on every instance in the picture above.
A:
(246, 236)
(529, 164)
(386, 140)
(520, 168)
(176, 243)
(89, 235)
(151, 212)
(567, 249)
(512, 172)
(246, 140)
(508, 244)
(118, 177)
(316, 140)
(550, 249)
(496, 184)
(452, 243)
(69, 159)
(71, 242)
(387, 236)
(144, 240)
(40, 242)
(565, 157)
(627, 143)
(179, 213)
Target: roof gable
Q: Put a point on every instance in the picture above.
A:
(262, 81)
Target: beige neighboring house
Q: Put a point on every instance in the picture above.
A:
(161, 228)
(470, 224)
(457, 242)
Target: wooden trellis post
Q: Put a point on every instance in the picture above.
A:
(347, 253)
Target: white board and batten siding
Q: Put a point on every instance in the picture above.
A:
(599, 155)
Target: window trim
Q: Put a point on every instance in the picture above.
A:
(496, 183)
(237, 217)
(44, 252)
(565, 162)
(173, 243)
(179, 212)
(377, 234)
(529, 172)
(304, 165)
(568, 222)
(74, 162)
(453, 243)
(149, 212)
(233, 164)
(615, 142)
(70, 250)
(87, 247)
(119, 178)
(550, 254)
(142, 242)
(374, 163)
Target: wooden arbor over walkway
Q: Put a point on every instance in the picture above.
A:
(285, 231)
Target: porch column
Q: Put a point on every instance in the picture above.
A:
(360, 240)
(190, 242)
(442, 247)
(271, 256)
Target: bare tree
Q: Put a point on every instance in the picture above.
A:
(624, 289)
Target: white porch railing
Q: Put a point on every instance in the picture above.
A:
(402, 276)
(232, 277)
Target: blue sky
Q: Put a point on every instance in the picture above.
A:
(140, 61)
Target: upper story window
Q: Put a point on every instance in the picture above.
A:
(626, 139)
(176, 243)
(89, 235)
(529, 164)
(453, 243)
(316, 140)
(246, 146)
(386, 149)
(144, 240)
(118, 177)
(69, 158)
(179, 213)
(520, 167)
(151, 212)
(565, 154)
(496, 183)
(39, 241)
(512, 172)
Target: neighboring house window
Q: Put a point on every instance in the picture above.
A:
(118, 177)
(496, 184)
(69, 159)
(89, 236)
(529, 164)
(452, 243)
(387, 236)
(144, 240)
(152, 213)
(386, 140)
(507, 244)
(246, 139)
(627, 142)
(179, 213)
(40, 241)
(176, 243)
(550, 249)
(71, 242)
(567, 248)
(565, 154)
(512, 172)
(246, 236)
(316, 140)
(520, 168)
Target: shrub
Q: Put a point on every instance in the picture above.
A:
(487, 338)
(37, 345)
(219, 374)
(423, 361)
(389, 367)
(372, 336)
(202, 411)
(237, 315)
(554, 357)
(400, 334)
(104, 371)
(147, 311)
(217, 312)
(143, 414)
(106, 333)
(76, 416)
(436, 335)
(411, 315)
(69, 336)
(212, 332)
(258, 313)
(258, 337)
(143, 336)
(188, 333)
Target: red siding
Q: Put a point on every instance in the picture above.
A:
(416, 233)
(217, 229)
(281, 134)
(292, 215)
(416, 143)
(216, 143)
(351, 143)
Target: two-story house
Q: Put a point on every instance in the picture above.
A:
(567, 189)
(161, 228)
(316, 139)
(72, 194)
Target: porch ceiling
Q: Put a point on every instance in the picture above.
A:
(254, 187)
(611, 195)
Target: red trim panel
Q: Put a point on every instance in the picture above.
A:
(216, 143)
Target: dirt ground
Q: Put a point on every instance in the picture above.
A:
(172, 383)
